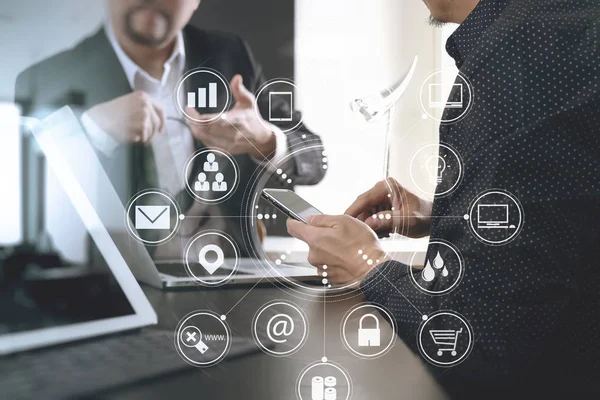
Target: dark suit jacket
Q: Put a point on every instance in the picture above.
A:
(90, 74)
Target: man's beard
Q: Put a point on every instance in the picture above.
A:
(436, 23)
(142, 39)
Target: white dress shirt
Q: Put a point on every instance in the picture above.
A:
(175, 144)
(172, 147)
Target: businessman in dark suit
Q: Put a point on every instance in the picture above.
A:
(121, 82)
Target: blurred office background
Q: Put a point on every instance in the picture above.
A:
(335, 51)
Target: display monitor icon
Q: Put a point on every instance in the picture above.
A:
(493, 216)
(439, 95)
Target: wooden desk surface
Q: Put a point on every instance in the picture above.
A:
(397, 375)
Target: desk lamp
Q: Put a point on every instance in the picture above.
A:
(382, 103)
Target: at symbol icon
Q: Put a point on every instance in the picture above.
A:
(280, 325)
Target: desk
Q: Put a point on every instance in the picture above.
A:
(397, 375)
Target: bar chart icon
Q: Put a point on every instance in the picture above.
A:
(202, 98)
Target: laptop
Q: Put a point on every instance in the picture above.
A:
(72, 328)
(73, 147)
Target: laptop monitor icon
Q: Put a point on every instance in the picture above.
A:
(439, 95)
(492, 216)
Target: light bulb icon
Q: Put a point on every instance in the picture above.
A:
(436, 165)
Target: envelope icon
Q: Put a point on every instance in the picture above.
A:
(152, 217)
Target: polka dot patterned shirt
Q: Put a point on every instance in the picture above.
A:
(533, 130)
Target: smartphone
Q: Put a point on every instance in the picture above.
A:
(290, 203)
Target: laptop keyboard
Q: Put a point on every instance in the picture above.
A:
(86, 368)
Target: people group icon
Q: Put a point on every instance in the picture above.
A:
(219, 185)
(203, 185)
(211, 165)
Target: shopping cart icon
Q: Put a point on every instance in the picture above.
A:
(446, 340)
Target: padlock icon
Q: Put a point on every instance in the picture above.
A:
(369, 337)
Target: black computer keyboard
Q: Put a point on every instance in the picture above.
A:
(82, 369)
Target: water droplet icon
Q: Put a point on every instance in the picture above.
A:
(445, 272)
(438, 261)
(428, 273)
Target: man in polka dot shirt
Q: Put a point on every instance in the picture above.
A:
(534, 131)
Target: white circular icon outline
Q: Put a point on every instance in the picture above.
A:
(327, 364)
(461, 273)
(189, 166)
(271, 266)
(463, 114)
(346, 341)
(132, 231)
(180, 85)
(460, 359)
(268, 263)
(181, 326)
(518, 228)
(262, 89)
(457, 182)
(262, 346)
(220, 257)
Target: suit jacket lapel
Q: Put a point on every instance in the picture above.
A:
(106, 78)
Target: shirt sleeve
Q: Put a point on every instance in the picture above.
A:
(518, 299)
(281, 149)
(100, 139)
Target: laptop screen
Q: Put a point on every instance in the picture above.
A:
(77, 285)
(48, 292)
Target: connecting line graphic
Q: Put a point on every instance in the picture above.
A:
(413, 128)
(242, 298)
(411, 217)
(253, 216)
(218, 216)
(423, 316)
(324, 325)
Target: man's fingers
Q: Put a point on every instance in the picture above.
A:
(323, 221)
(199, 131)
(209, 117)
(218, 127)
(243, 97)
(200, 118)
(298, 229)
(156, 122)
(363, 216)
(382, 221)
(192, 112)
(162, 116)
(147, 128)
(223, 130)
(372, 198)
